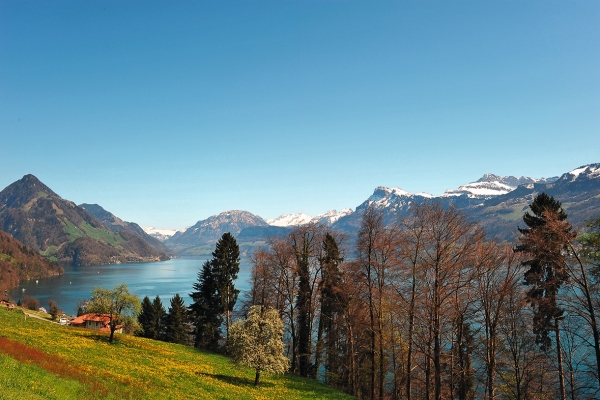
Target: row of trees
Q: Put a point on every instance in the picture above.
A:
(428, 307)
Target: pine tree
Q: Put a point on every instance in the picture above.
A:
(546, 249)
(176, 326)
(158, 315)
(226, 265)
(145, 318)
(546, 264)
(206, 309)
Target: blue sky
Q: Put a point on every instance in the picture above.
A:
(165, 113)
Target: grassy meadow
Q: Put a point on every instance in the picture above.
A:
(42, 360)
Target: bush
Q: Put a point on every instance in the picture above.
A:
(53, 309)
(31, 303)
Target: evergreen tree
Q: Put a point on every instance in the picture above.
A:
(145, 318)
(206, 309)
(333, 301)
(546, 265)
(176, 326)
(158, 315)
(546, 249)
(226, 265)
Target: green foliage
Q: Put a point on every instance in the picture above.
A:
(206, 311)
(215, 294)
(118, 302)
(145, 318)
(176, 322)
(590, 242)
(257, 342)
(544, 249)
(226, 265)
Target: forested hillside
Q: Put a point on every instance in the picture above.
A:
(19, 262)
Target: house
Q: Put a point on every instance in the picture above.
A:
(98, 322)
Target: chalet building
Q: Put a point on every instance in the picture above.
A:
(98, 322)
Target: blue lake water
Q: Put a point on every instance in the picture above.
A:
(163, 278)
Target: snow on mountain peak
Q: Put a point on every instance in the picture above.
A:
(290, 219)
(326, 218)
(591, 170)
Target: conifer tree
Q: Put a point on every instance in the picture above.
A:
(206, 309)
(226, 265)
(145, 318)
(176, 326)
(158, 315)
(546, 249)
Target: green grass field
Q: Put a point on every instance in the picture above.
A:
(42, 360)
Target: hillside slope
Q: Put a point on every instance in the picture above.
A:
(19, 262)
(72, 363)
(57, 228)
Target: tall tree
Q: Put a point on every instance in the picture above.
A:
(545, 250)
(256, 342)
(158, 319)
(303, 240)
(145, 318)
(333, 301)
(206, 309)
(226, 266)
(176, 322)
(118, 303)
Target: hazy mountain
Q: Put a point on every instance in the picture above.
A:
(32, 213)
(197, 238)
(160, 234)
(116, 224)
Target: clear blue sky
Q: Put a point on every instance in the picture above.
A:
(167, 112)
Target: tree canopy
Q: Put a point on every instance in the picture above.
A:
(118, 303)
(257, 342)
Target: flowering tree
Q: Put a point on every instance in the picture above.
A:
(257, 342)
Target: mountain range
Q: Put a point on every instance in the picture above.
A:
(496, 202)
(88, 234)
(62, 231)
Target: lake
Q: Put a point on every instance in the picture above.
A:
(163, 278)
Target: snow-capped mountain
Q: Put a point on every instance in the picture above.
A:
(330, 217)
(290, 219)
(161, 234)
(591, 171)
(326, 218)
(209, 230)
(493, 185)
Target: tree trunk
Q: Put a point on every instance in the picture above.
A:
(561, 374)
(257, 377)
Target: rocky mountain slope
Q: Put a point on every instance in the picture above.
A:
(494, 202)
(116, 224)
(57, 228)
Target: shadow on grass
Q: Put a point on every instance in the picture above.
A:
(234, 380)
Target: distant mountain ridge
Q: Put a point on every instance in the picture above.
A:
(116, 224)
(208, 231)
(57, 228)
(496, 202)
